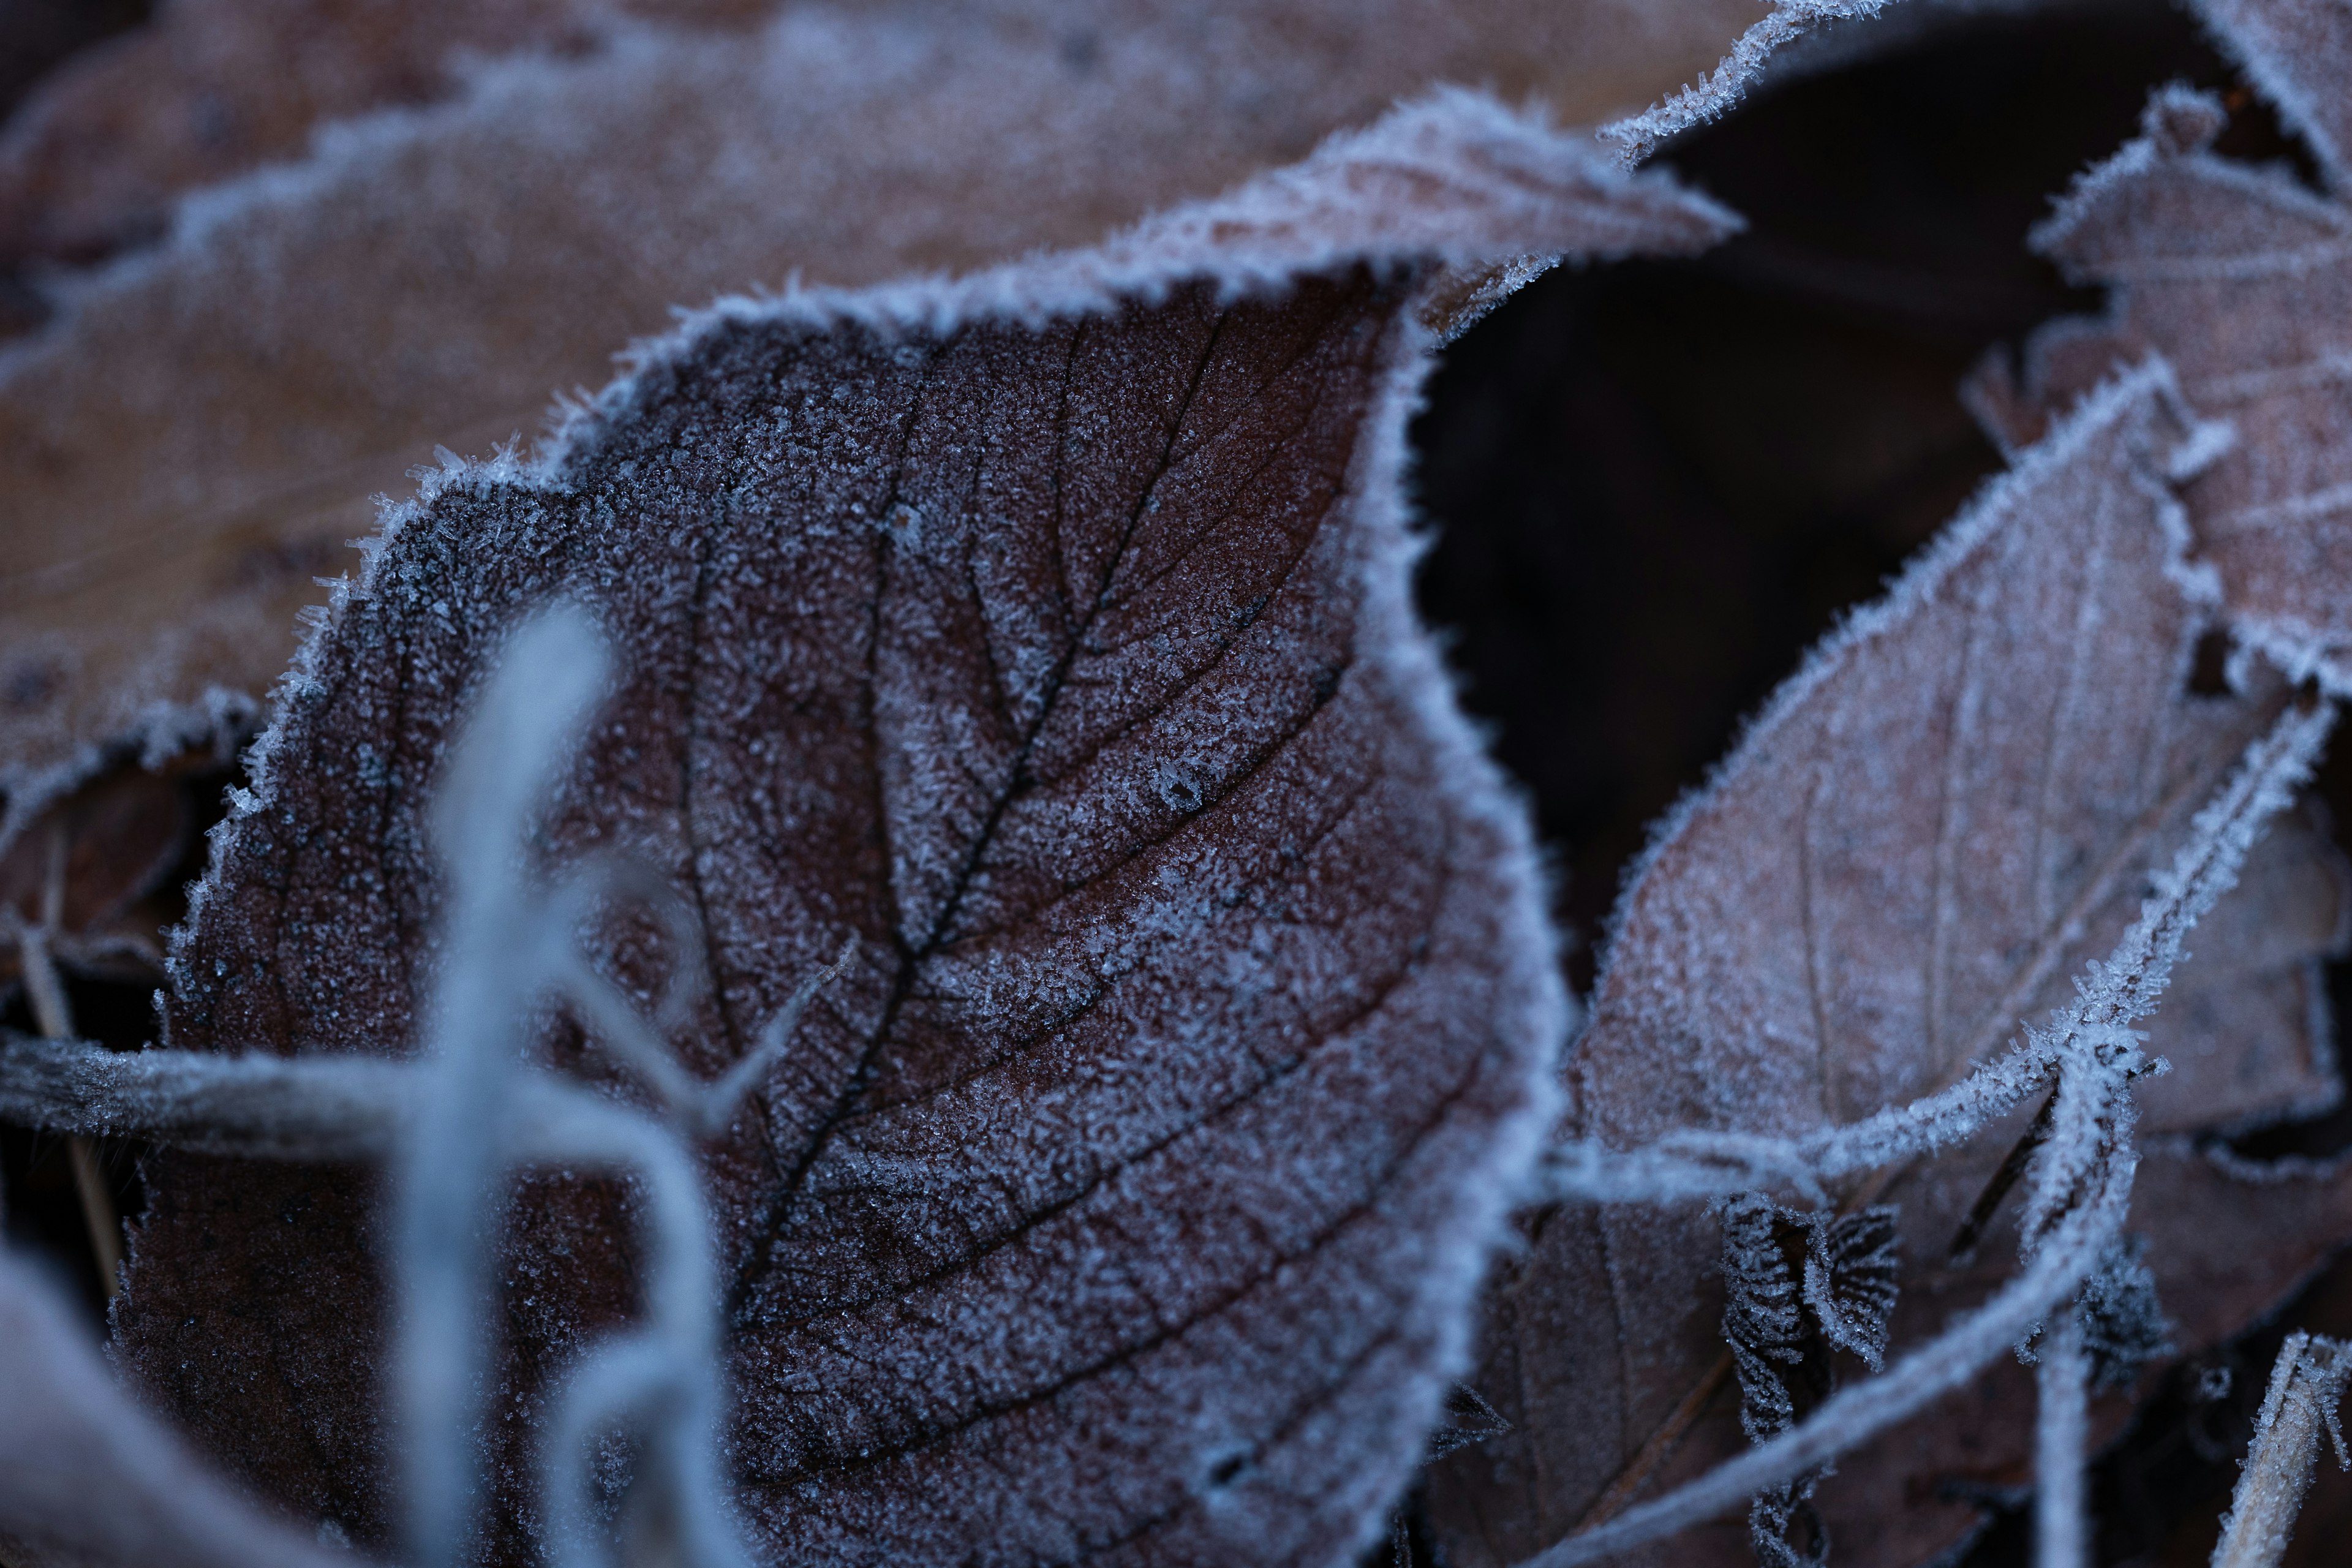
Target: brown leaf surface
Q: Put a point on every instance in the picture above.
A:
(1047, 634)
(197, 434)
(210, 88)
(88, 1480)
(2241, 276)
(1926, 836)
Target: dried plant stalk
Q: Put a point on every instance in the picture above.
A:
(2061, 1528)
(2306, 1382)
(54, 1015)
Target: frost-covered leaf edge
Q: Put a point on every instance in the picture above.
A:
(2205, 441)
(1249, 243)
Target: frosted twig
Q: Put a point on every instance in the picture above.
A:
(2014, 1165)
(2306, 1383)
(452, 1172)
(1853, 1415)
(1681, 1167)
(2082, 1173)
(2061, 1383)
(1712, 96)
(1693, 1164)
(260, 1106)
(717, 1102)
(510, 944)
(2125, 985)
(663, 1377)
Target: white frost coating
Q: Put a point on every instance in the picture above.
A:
(1712, 96)
(220, 720)
(2306, 1383)
(2115, 993)
(1855, 1413)
(2081, 1176)
(1503, 185)
(2297, 651)
(1454, 177)
(1923, 580)
(2125, 985)
(2265, 188)
(1458, 1256)
(2061, 1383)
(2238, 273)
(2273, 44)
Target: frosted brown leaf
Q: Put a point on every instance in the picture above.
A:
(1917, 847)
(2243, 277)
(72, 1434)
(213, 413)
(1045, 635)
(210, 88)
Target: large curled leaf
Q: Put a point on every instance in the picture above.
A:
(1047, 635)
(1915, 848)
(199, 432)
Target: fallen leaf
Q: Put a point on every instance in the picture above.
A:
(72, 1435)
(2241, 276)
(202, 428)
(1048, 635)
(209, 89)
(1915, 848)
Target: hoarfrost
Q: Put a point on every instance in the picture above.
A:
(1814, 971)
(2306, 1385)
(214, 414)
(2119, 1317)
(1132, 1183)
(2241, 276)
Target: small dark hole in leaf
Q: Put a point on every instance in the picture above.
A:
(2208, 667)
(1180, 790)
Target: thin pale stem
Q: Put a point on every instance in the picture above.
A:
(2306, 1383)
(2062, 1381)
(1856, 1414)
(54, 1014)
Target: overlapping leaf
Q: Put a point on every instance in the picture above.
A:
(200, 431)
(2243, 277)
(1047, 635)
(210, 88)
(1927, 833)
